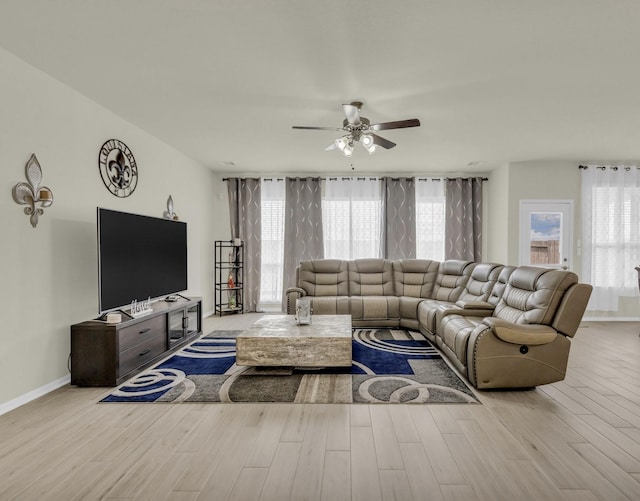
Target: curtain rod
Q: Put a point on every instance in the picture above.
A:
(612, 167)
(373, 178)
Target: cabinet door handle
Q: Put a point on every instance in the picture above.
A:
(144, 330)
(143, 353)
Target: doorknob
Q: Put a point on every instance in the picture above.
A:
(565, 267)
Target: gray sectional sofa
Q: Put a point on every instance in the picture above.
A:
(500, 326)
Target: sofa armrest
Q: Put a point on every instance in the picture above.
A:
(293, 293)
(474, 305)
(527, 334)
(445, 310)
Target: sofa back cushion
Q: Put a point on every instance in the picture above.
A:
(500, 285)
(481, 282)
(451, 280)
(415, 277)
(533, 295)
(324, 277)
(370, 277)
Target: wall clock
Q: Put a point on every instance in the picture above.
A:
(118, 168)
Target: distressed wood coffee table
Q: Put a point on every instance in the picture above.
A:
(277, 341)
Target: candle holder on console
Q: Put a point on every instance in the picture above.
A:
(303, 311)
(31, 193)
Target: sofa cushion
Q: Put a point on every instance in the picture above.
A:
(481, 282)
(451, 279)
(533, 295)
(498, 288)
(454, 335)
(409, 307)
(370, 277)
(415, 277)
(375, 308)
(330, 305)
(427, 313)
(324, 277)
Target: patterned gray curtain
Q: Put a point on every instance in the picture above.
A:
(463, 219)
(398, 218)
(303, 238)
(244, 211)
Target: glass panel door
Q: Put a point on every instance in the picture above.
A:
(193, 319)
(546, 233)
(176, 326)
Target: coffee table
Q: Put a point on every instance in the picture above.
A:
(277, 341)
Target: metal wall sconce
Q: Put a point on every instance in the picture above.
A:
(32, 193)
(169, 213)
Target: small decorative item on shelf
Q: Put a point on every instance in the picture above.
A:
(303, 311)
(32, 193)
(169, 214)
(230, 281)
(140, 308)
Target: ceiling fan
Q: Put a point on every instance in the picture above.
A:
(359, 129)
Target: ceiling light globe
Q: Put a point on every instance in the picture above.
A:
(367, 141)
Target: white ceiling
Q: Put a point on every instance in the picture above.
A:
(492, 81)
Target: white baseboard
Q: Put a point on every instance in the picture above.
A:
(32, 395)
(611, 319)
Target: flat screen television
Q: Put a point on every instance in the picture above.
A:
(139, 257)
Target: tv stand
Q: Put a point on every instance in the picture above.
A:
(174, 297)
(108, 354)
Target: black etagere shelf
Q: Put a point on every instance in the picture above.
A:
(229, 267)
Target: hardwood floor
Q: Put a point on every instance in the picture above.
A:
(574, 440)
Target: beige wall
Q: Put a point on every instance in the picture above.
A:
(49, 274)
(551, 180)
(496, 226)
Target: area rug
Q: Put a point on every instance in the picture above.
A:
(389, 366)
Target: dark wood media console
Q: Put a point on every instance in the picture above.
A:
(105, 354)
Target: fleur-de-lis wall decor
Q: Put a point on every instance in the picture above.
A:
(31, 193)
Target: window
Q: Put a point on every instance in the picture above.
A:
(611, 233)
(351, 217)
(272, 255)
(430, 209)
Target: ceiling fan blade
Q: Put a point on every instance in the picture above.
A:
(332, 146)
(400, 124)
(381, 141)
(353, 113)
(304, 127)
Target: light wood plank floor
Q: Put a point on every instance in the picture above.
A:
(574, 440)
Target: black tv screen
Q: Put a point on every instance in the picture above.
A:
(139, 257)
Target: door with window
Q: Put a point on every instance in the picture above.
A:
(546, 233)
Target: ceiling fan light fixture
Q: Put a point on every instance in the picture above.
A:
(358, 128)
(368, 143)
(366, 140)
(341, 143)
(348, 150)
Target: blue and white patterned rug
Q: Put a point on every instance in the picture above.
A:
(389, 366)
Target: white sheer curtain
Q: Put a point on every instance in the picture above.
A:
(430, 208)
(351, 216)
(610, 233)
(272, 206)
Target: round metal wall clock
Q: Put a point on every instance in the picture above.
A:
(118, 168)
